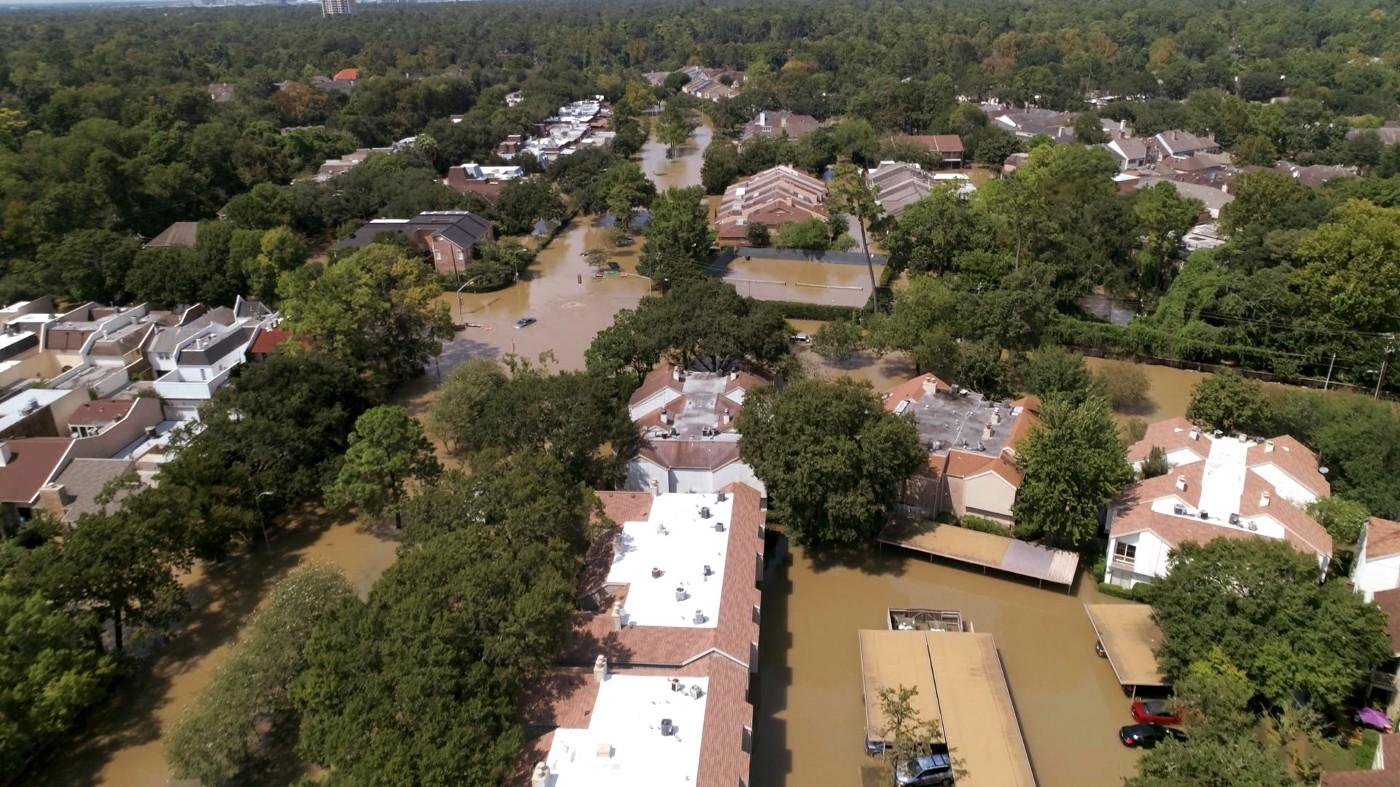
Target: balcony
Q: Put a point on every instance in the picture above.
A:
(186, 384)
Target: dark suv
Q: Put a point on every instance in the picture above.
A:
(926, 770)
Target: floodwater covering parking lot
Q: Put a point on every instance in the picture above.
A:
(809, 724)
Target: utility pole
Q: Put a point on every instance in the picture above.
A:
(1385, 361)
(1330, 364)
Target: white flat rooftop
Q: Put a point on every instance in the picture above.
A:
(17, 407)
(1222, 483)
(623, 745)
(679, 543)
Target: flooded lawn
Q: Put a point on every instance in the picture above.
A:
(803, 281)
(122, 746)
(684, 168)
(1168, 389)
(809, 723)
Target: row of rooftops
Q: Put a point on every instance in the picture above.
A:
(776, 196)
(576, 124)
(654, 686)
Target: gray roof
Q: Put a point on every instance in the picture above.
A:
(168, 339)
(181, 233)
(460, 227)
(205, 351)
(84, 479)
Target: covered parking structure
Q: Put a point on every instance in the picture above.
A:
(1130, 638)
(962, 686)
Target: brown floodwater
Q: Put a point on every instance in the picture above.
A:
(684, 168)
(1168, 389)
(809, 724)
(560, 292)
(123, 746)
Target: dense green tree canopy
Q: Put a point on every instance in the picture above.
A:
(1259, 601)
(1074, 463)
(831, 455)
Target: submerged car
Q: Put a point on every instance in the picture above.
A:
(524, 322)
(1146, 736)
(1155, 712)
(926, 770)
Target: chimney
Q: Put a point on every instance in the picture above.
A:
(1123, 126)
(540, 776)
(1195, 433)
(763, 119)
(54, 497)
(1264, 499)
(600, 668)
(727, 416)
(1181, 482)
(615, 616)
(1268, 446)
(655, 487)
(987, 431)
(5, 455)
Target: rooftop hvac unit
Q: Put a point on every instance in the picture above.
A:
(1253, 527)
(719, 527)
(696, 692)
(700, 617)
(681, 595)
(704, 512)
(1204, 515)
(667, 728)
(720, 496)
(656, 573)
(707, 571)
(1235, 519)
(1179, 509)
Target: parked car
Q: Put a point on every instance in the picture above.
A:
(1155, 712)
(524, 322)
(1146, 736)
(801, 338)
(926, 770)
(1098, 648)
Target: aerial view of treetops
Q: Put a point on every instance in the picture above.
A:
(282, 501)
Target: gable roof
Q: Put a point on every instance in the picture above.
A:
(936, 143)
(1292, 457)
(180, 233)
(346, 75)
(32, 462)
(1382, 538)
(1171, 434)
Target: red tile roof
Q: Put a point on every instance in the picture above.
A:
(268, 340)
(100, 411)
(913, 389)
(347, 75)
(938, 143)
(626, 506)
(32, 462)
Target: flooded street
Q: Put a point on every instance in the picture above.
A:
(560, 292)
(809, 723)
(122, 746)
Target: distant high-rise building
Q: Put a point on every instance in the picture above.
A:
(334, 7)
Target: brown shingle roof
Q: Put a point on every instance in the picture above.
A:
(1169, 435)
(1293, 458)
(31, 464)
(100, 411)
(1382, 538)
(1389, 602)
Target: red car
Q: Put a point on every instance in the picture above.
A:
(1155, 712)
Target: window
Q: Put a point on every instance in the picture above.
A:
(1124, 553)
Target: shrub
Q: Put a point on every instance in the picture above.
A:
(984, 525)
(1125, 385)
(1156, 463)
